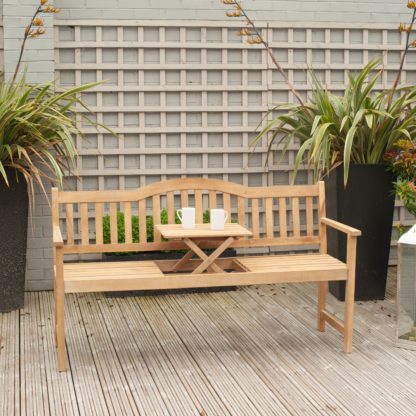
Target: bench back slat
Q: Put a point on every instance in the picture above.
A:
(255, 218)
(84, 223)
(212, 199)
(156, 216)
(276, 215)
(269, 217)
(113, 223)
(241, 211)
(227, 205)
(282, 218)
(70, 223)
(127, 223)
(309, 215)
(198, 206)
(295, 217)
(98, 223)
(170, 203)
(184, 198)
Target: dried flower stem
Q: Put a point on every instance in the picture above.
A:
(266, 45)
(408, 45)
(270, 53)
(22, 47)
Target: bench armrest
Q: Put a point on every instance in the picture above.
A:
(58, 241)
(341, 227)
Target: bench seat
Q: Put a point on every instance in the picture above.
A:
(147, 275)
(108, 276)
(297, 267)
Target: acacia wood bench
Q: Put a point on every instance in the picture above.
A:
(285, 216)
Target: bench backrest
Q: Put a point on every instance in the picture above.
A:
(276, 215)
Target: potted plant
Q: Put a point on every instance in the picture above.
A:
(344, 139)
(36, 145)
(402, 162)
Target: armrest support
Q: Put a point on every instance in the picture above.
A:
(341, 227)
(58, 241)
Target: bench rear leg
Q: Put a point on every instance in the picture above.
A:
(322, 291)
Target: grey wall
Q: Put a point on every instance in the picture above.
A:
(269, 10)
(41, 67)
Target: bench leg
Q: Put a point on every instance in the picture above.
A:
(350, 293)
(349, 314)
(59, 313)
(322, 291)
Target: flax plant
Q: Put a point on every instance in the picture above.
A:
(37, 124)
(359, 127)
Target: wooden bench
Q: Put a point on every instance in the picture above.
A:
(277, 216)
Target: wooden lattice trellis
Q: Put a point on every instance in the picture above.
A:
(185, 97)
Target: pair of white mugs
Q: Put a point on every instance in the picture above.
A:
(218, 217)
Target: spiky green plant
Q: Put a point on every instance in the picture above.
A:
(37, 127)
(38, 124)
(358, 127)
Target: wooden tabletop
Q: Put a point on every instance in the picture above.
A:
(176, 231)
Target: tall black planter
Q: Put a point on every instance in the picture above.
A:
(13, 237)
(367, 203)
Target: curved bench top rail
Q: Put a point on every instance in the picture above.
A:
(188, 184)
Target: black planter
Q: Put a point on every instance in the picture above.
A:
(13, 242)
(367, 203)
(157, 255)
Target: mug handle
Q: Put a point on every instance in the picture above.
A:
(225, 216)
(179, 211)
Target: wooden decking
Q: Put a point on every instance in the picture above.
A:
(253, 352)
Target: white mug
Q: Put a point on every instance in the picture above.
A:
(217, 218)
(186, 217)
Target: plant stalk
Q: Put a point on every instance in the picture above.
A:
(397, 79)
(22, 47)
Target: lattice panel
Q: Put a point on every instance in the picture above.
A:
(186, 97)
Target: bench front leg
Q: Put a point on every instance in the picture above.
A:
(349, 292)
(346, 327)
(59, 308)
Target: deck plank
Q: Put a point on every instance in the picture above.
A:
(258, 393)
(9, 364)
(277, 369)
(251, 352)
(367, 382)
(112, 378)
(192, 377)
(171, 390)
